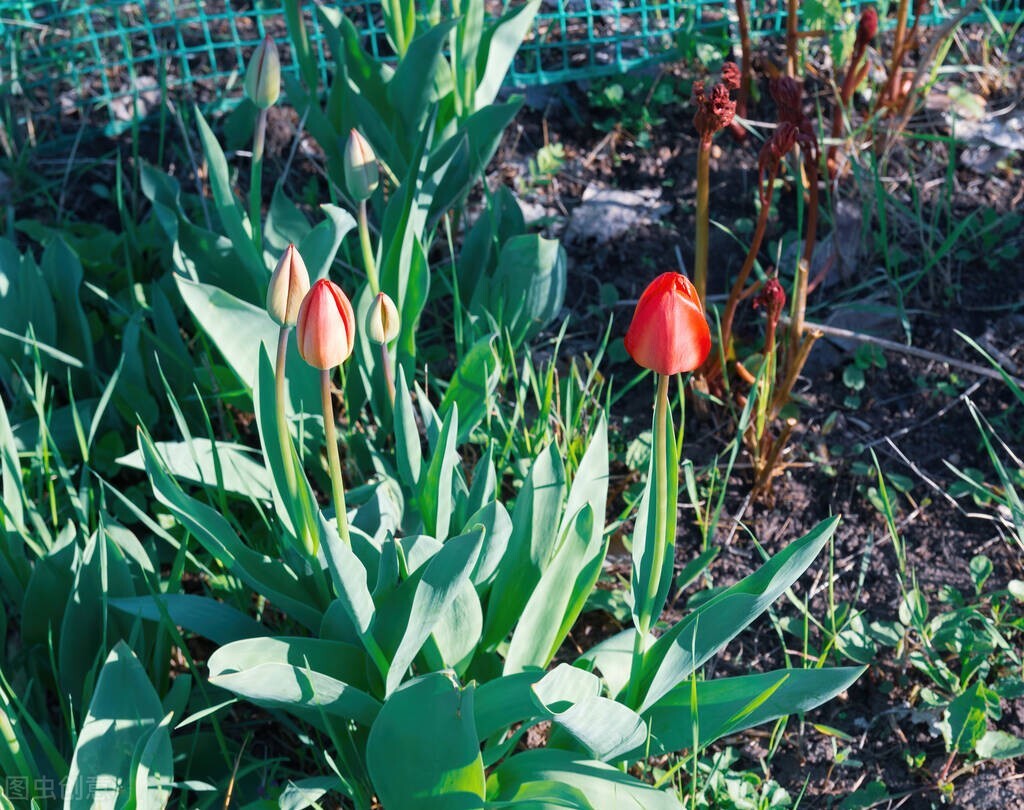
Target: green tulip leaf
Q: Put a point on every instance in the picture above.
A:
(124, 721)
(422, 752)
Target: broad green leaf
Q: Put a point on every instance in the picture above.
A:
(964, 723)
(408, 451)
(613, 658)
(270, 577)
(999, 745)
(87, 629)
(207, 617)
(296, 513)
(605, 787)
(15, 501)
(319, 247)
(559, 596)
(435, 593)
(472, 386)
(456, 635)
(590, 485)
(436, 489)
(572, 698)
(236, 225)
(729, 705)
(464, 48)
(124, 717)
(503, 702)
(478, 256)
(457, 165)
(240, 468)
(302, 675)
(368, 369)
(535, 520)
(27, 317)
(484, 489)
(285, 224)
(497, 528)
(692, 641)
(404, 269)
(63, 271)
(350, 578)
(153, 768)
(422, 753)
(545, 796)
(48, 590)
(411, 89)
(528, 288)
(498, 48)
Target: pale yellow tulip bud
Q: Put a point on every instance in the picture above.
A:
(288, 286)
(361, 172)
(263, 76)
(382, 323)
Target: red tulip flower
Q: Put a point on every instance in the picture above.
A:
(326, 327)
(669, 333)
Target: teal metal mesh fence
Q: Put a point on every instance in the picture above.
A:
(116, 59)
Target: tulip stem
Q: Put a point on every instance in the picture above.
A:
(663, 508)
(300, 509)
(333, 459)
(256, 181)
(367, 247)
(283, 435)
(389, 373)
(700, 248)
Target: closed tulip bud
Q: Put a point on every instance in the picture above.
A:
(263, 76)
(326, 326)
(288, 286)
(361, 172)
(382, 324)
(669, 333)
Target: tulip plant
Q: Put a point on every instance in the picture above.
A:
(423, 602)
(442, 622)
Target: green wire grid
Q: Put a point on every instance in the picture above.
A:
(63, 58)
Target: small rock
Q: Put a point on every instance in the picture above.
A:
(605, 214)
